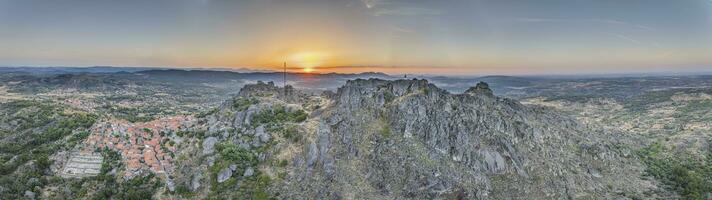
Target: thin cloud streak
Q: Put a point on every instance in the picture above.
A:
(394, 8)
(601, 21)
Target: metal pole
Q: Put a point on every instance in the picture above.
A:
(284, 79)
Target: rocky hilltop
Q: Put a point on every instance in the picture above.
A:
(401, 139)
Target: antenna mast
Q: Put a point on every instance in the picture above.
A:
(284, 78)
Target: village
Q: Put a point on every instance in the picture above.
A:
(144, 146)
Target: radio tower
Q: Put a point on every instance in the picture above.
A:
(284, 79)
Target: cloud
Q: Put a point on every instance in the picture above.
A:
(407, 11)
(632, 40)
(609, 21)
(600, 21)
(623, 37)
(370, 3)
(401, 29)
(397, 8)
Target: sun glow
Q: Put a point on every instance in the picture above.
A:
(308, 61)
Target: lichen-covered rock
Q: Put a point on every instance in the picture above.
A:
(312, 154)
(195, 182)
(233, 167)
(224, 174)
(209, 145)
(170, 185)
(248, 172)
(261, 134)
(29, 194)
(407, 139)
(481, 88)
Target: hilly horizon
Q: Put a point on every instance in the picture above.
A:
(114, 69)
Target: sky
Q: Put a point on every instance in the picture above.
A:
(450, 37)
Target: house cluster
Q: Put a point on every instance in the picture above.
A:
(143, 146)
(80, 104)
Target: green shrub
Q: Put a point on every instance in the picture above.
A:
(388, 96)
(385, 131)
(230, 152)
(241, 104)
(278, 115)
(205, 114)
(38, 144)
(689, 183)
(112, 159)
(254, 187)
(184, 191)
(291, 133)
(689, 175)
(283, 163)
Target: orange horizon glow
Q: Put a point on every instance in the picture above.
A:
(308, 61)
(397, 37)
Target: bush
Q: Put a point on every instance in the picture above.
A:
(278, 115)
(283, 163)
(253, 187)
(259, 186)
(241, 104)
(388, 96)
(232, 154)
(205, 114)
(112, 159)
(184, 191)
(689, 183)
(291, 133)
(43, 162)
(36, 145)
(688, 175)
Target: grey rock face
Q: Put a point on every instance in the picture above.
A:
(209, 145)
(288, 94)
(410, 139)
(210, 160)
(249, 172)
(323, 140)
(493, 161)
(248, 114)
(239, 119)
(224, 174)
(29, 194)
(407, 139)
(312, 154)
(233, 167)
(261, 134)
(195, 182)
(480, 88)
(170, 185)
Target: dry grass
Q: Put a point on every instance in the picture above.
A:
(6, 96)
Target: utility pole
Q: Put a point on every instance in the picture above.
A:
(284, 79)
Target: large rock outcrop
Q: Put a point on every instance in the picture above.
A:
(407, 139)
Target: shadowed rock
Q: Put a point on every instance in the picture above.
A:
(480, 88)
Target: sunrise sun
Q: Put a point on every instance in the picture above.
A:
(308, 61)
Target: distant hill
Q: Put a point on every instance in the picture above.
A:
(64, 70)
(31, 79)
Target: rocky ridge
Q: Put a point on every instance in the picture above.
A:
(403, 139)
